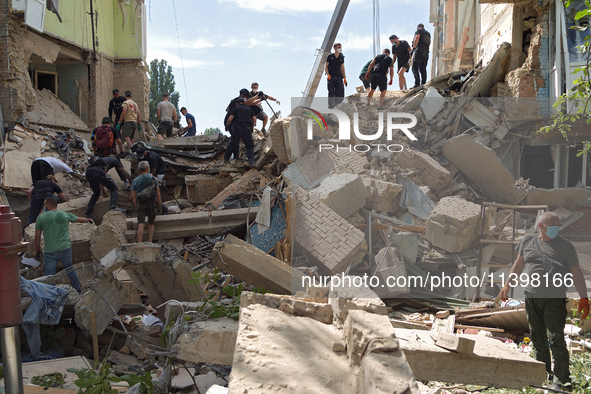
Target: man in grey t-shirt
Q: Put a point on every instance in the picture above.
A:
(167, 117)
(545, 293)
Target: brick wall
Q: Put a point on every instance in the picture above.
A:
(101, 89)
(130, 75)
(428, 171)
(580, 230)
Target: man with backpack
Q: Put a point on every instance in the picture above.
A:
(96, 174)
(243, 120)
(378, 74)
(104, 139)
(420, 55)
(145, 195)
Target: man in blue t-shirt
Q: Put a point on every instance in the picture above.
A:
(191, 130)
(145, 195)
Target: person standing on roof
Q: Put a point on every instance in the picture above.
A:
(257, 108)
(243, 120)
(335, 74)
(157, 165)
(554, 261)
(44, 166)
(116, 106)
(167, 117)
(104, 139)
(401, 51)
(55, 227)
(378, 72)
(130, 116)
(420, 56)
(39, 191)
(191, 130)
(145, 195)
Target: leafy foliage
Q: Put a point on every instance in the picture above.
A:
(91, 382)
(573, 107)
(55, 379)
(145, 381)
(161, 81)
(212, 130)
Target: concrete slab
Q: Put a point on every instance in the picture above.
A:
(353, 295)
(240, 185)
(383, 196)
(110, 234)
(255, 267)
(483, 167)
(81, 235)
(343, 193)
(321, 312)
(432, 103)
(491, 364)
(391, 265)
(569, 198)
(202, 188)
(209, 341)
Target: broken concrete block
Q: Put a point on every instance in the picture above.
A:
(327, 239)
(80, 236)
(453, 342)
(569, 198)
(202, 187)
(428, 171)
(272, 344)
(383, 196)
(308, 170)
(352, 294)
(78, 206)
(240, 185)
(372, 345)
(343, 193)
(159, 278)
(209, 341)
(454, 224)
(277, 133)
(563, 214)
(109, 235)
(105, 298)
(298, 307)
(491, 364)
(391, 272)
(432, 103)
(255, 267)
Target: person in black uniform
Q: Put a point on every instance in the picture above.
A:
(115, 106)
(157, 165)
(401, 52)
(39, 191)
(420, 46)
(243, 120)
(335, 74)
(244, 96)
(96, 174)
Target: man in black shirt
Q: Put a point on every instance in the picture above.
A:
(157, 165)
(243, 120)
(401, 51)
(257, 108)
(420, 46)
(378, 74)
(97, 175)
(335, 74)
(115, 106)
(39, 191)
(244, 96)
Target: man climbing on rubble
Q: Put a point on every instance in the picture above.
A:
(243, 120)
(97, 176)
(364, 80)
(420, 55)
(116, 106)
(244, 96)
(129, 120)
(44, 166)
(145, 196)
(190, 130)
(105, 139)
(167, 117)
(401, 51)
(156, 164)
(257, 108)
(547, 255)
(39, 191)
(377, 72)
(55, 227)
(335, 75)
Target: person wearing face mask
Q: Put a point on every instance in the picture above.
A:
(335, 74)
(540, 254)
(257, 108)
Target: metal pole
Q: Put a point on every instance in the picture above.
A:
(91, 13)
(11, 360)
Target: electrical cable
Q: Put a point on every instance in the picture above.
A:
(180, 53)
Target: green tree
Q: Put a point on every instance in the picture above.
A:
(161, 81)
(574, 107)
(212, 130)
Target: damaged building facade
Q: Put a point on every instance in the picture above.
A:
(79, 51)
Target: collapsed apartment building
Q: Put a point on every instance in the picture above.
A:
(224, 291)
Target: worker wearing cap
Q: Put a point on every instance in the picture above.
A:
(547, 255)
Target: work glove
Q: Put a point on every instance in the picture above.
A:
(345, 81)
(39, 257)
(328, 76)
(118, 127)
(139, 127)
(584, 307)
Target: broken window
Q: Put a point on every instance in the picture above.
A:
(537, 165)
(576, 38)
(46, 80)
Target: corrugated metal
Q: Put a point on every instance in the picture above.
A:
(511, 320)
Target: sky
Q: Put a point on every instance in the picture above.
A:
(227, 44)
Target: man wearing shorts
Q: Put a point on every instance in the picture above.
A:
(167, 117)
(147, 207)
(257, 108)
(401, 51)
(131, 118)
(377, 72)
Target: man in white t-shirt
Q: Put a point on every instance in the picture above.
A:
(50, 166)
(167, 117)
